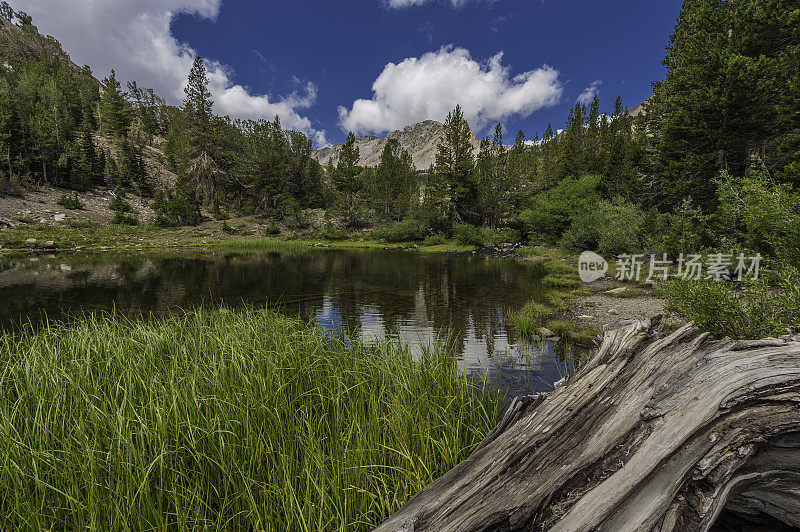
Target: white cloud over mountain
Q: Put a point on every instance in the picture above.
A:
(133, 37)
(430, 86)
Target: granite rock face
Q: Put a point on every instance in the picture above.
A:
(420, 140)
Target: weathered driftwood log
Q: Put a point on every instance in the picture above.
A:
(677, 433)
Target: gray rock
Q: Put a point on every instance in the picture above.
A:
(615, 291)
(586, 317)
(30, 242)
(613, 312)
(49, 244)
(59, 217)
(544, 332)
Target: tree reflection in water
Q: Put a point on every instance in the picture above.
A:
(366, 295)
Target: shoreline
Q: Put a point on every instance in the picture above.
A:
(595, 306)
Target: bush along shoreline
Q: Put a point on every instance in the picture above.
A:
(224, 418)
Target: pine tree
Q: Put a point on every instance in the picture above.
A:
(98, 172)
(133, 168)
(115, 110)
(198, 109)
(394, 181)
(520, 173)
(729, 65)
(571, 145)
(86, 164)
(24, 19)
(305, 173)
(549, 159)
(6, 11)
(591, 161)
(111, 174)
(454, 165)
(347, 175)
(492, 183)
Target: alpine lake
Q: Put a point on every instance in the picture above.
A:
(362, 294)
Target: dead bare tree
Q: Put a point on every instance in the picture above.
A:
(680, 433)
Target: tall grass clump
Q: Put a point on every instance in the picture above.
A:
(530, 318)
(560, 275)
(236, 419)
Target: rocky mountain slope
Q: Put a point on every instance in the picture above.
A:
(420, 140)
(24, 43)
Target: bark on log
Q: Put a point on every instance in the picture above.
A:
(679, 433)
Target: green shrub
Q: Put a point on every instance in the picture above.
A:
(555, 298)
(272, 229)
(759, 213)
(575, 294)
(123, 218)
(552, 211)
(406, 231)
(11, 185)
(119, 204)
(435, 240)
(124, 213)
(557, 267)
(298, 221)
(79, 224)
(70, 202)
(332, 232)
(502, 236)
(756, 310)
(586, 334)
(176, 210)
(468, 235)
(608, 227)
(682, 231)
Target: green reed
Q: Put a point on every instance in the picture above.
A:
(240, 419)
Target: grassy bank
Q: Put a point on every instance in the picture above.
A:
(238, 419)
(253, 236)
(560, 281)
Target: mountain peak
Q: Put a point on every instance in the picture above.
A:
(420, 140)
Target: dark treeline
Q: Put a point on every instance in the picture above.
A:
(714, 158)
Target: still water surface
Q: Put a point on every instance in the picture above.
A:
(369, 295)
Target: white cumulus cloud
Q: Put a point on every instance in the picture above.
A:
(133, 37)
(590, 92)
(430, 86)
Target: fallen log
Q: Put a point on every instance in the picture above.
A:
(658, 433)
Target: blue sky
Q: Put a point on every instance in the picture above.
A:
(309, 61)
